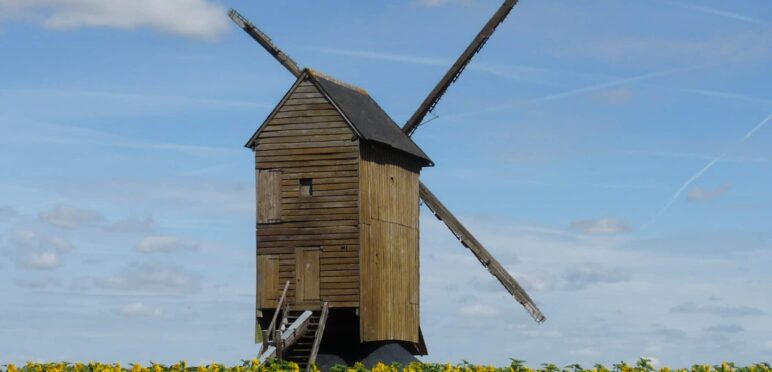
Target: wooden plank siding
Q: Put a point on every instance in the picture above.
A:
(307, 138)
(389, 213)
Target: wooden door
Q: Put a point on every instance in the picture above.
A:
(306, 275)
(268, 286)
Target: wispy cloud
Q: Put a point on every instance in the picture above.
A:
(713, 11)
(581, 276)
(574, 92)
(138, 309)
(724, 329)
(7, 213)
(719, 94)
(165, 243)
(608, 84)
(439, 3)
(722, 311)
(601, 226)
(697, 156)
(190, 18)
(699, 194)
(122, 96)
(152, 278)
(71, 135)
(478, 310)
(507, 71)
(34, 250)
(71, 217)
(707, 167)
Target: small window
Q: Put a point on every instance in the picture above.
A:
(306, 187)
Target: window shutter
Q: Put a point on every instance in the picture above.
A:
(268, 196)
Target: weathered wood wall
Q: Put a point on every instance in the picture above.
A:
(307, 138)
(389, 213)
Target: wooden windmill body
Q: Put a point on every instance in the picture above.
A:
(338, 197)
(338, 208)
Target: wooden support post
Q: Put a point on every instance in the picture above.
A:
(318, 337)
(285, 314)
(279, 343)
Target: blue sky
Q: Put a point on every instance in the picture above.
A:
(614, 155)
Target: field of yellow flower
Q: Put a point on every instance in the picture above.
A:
(643, 365)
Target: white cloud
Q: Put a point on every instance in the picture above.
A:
(191, 18)
(769, 346)
(725, 329)
(42, 260)
(165, 244)
(74, 217)
(601, 226)
(138, 309)
(535, 282)
(153, 278)
(132, 225)
(71, 217)
(60, 244)
(581, 276)
(699, 194)
(37, 282)
(586, 352)
(722, 311)
(34, 250)
(479, 310)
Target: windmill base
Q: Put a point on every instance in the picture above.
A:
(341, 344)
(370, 354)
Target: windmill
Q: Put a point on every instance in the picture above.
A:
(338, 196)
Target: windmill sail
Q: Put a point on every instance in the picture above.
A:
(464, 236)
(486, 259)
(265, 41)
(458, 67)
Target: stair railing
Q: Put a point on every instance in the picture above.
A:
(269, 335)
(318, 336)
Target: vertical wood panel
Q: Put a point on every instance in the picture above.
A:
(389, 250)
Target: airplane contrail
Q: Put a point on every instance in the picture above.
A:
(707, 167)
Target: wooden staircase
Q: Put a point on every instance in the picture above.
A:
(293, 335)
(300, 352)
